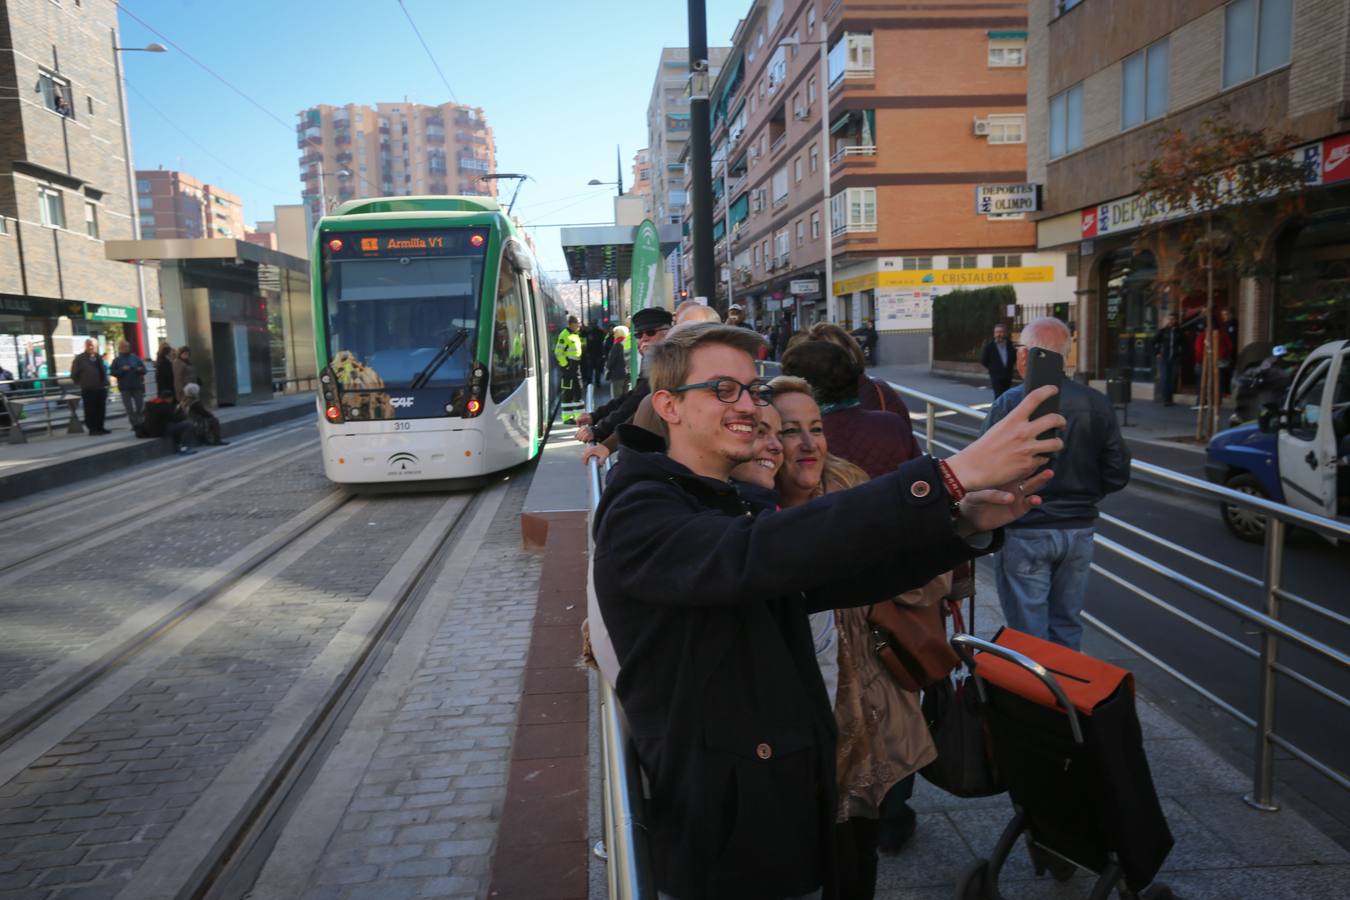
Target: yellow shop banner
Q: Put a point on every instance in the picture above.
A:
(945, 278)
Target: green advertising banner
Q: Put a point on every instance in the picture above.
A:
(646, 277)
(103, 312)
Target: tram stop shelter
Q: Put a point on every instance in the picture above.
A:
(244, 311)
(597, 252)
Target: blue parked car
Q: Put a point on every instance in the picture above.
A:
(1298, 453)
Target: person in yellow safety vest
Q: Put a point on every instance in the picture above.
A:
(567, 351)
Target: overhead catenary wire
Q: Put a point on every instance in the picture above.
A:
(203, 66)
(198, 144)
(430, 56)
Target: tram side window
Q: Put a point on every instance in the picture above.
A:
(508, 338)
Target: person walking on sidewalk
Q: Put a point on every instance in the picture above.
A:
(998, 359)
(1042, 570)
(567, 352)
(1169, 346)
(91, 377)
(129, 370)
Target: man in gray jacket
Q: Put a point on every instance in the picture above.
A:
(1042, 571)
(91, 377)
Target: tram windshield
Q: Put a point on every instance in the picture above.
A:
(390, 314)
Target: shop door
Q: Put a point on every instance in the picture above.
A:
(1130, 315)
(222, 364)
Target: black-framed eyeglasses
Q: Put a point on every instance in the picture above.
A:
(653, 332)
(729, 390)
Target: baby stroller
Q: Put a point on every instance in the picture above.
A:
(1066, 739)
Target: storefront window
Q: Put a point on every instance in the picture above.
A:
(1130, 315)
(1312, 292)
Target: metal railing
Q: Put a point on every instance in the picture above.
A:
(625, 851)
(295, 385)
(1272, 630)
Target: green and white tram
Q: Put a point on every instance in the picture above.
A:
(433, 329)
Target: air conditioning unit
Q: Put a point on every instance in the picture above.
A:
(981, 127)
(799, 114)
(754, 152)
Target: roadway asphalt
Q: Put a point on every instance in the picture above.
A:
(1312, 568)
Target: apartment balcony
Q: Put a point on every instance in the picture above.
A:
(310, 159)
(342, 137)
(435, 138)
(435, 121)
(309, 139)
(859, 153)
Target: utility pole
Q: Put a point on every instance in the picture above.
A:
(700, 152)
(618, 168)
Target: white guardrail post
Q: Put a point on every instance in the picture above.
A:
(625, 849)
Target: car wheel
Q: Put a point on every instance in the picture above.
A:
(1244, 523)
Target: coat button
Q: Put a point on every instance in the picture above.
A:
(920, 489)
(764, 751)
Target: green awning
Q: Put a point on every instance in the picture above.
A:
(841, 122)
(719, 229)
(729, 86)
(740, 209)
(1007, 35)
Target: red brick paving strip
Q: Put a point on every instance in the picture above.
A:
(541, 841)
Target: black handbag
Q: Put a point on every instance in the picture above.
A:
(965, 764)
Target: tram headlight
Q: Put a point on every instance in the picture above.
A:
(473, 407)
(333, 413)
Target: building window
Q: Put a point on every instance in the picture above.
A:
(777, 69)
(797, 170)
(4, 227)
(813, 157)
(1007, 129)
(815, 226)
(1143, 91)
(916, 263)
(1007, 260)
(780, 186)
(1257, 35)
(854, 210)
(1007, 54)
(755, 255)
(53, 211)
(782, 246)
(801, 233)
(55, 93)
(89, 103)
(810, 91)
(90, 219)
(1066, 122)
(811, 19)
(142, 187)
(960, 262)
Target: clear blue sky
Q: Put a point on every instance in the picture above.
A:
(561, 84)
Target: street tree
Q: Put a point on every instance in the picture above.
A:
(1211, 193)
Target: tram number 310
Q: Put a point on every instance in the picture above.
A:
(403, 426)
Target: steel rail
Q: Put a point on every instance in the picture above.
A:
(1278, 518)
(627, 852)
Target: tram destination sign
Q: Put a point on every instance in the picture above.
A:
(1007, 199)
(404, 243)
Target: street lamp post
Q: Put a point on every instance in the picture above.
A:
(131, 180)
(826, 223)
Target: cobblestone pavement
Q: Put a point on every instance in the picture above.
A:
(59, 609)
(428, 790)
(80, 820)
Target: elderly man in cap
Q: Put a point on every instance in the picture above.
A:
(649, 327)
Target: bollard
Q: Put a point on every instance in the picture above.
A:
(1263, 778)
(932, 426)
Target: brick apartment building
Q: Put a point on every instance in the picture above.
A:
(63, 185)
(1107, 78)
(176, 205)
(926, 102)
(393, 149)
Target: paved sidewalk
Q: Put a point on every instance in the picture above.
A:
(1224, 849)
(48, 461)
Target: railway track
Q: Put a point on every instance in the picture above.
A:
(262, 782)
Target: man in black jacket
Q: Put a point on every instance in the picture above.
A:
(1169, 346)
(649, 329)
(1042, 571)
(705, 601)
(998, 358)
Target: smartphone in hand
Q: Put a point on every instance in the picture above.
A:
(1044, 367)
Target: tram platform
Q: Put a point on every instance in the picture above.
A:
(60, 458)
